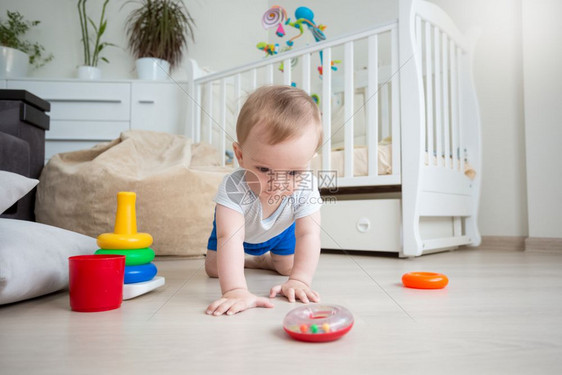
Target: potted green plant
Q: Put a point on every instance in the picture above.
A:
(16, 53)
(157, 32)
(92, 42)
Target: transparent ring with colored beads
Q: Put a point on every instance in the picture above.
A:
(317, 323)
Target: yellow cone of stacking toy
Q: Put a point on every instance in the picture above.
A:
(125, 234)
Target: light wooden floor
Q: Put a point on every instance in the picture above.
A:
(500, 314)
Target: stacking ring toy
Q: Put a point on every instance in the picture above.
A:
(124, 241)
(125, 235)
(133, 257)
(318, 323)
(425, 280)
(137, 274)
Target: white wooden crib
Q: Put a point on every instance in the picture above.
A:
(415, 78)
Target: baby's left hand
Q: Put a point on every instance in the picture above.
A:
(295, 289)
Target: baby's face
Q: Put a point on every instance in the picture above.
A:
(280, 168)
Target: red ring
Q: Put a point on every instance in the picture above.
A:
(425, 280)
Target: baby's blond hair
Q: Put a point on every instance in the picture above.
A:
(285, 111)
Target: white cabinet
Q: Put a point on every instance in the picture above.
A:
(84, 113)
(89, 101)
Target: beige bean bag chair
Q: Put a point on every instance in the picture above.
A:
(175, 182)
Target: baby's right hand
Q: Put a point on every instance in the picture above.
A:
(235, 301)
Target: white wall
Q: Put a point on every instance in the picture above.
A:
(59, 33)
(499, 85)
(227, 32)
(542, 61)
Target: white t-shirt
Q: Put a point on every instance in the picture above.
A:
(235, 193)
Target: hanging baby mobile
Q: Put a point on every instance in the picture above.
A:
(276, 17)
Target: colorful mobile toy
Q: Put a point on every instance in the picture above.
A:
(332, 65)
(276, 16)
(316, 98)
(305, 16)
(424, 280)
(270, 49)
(318, 323)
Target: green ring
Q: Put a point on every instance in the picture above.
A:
(133, 257)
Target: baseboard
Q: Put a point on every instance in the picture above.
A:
(513, 243)
(543, 244)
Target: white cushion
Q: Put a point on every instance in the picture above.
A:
(13, 187)
(34, 258)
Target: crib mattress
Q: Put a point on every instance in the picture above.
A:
(360, 161)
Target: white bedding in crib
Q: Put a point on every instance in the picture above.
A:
(360, 161)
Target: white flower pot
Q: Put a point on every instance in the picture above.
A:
(13, 63)
(152, 69)
(90, 73)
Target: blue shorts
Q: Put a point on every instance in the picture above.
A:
(282, 244)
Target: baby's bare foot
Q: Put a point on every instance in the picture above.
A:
(261, 262)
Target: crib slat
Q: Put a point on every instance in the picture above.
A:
(454, 106)
(457, 226)
(419, 52)
(306, 72)
(438, 100)
(395, 103)
(460, 108)
(429, 94)
(269, 74)
(287, 72)
(446, 120)
(254, 79)
(223, 122)
(326, 109)
(209, 89)
(197, 121)
(372, 104)
(385, 118)
(191, 123)
(419, 35)
(348, 110)
(238, 93)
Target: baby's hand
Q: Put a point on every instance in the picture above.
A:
(295, 288)
(235, 301)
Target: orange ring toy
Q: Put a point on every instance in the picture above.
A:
(424, 280)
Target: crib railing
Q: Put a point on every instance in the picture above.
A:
(442, 51)
(442, 122)
(382, 112)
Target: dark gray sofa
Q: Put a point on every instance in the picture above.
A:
(23, 123)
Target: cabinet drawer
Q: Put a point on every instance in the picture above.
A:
(82, 100)
(370, 225)
(159, 107)
(86, 130)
